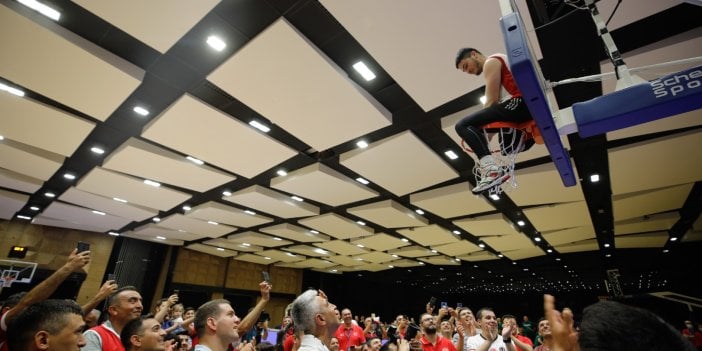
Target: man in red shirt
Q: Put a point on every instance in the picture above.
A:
(521, 342)
(431, 340)
(349, 334)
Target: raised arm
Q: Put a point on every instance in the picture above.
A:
(252, 317)
(107, 289)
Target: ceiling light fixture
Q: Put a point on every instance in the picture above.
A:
(260, 126)
(365, 72)
(34, 208)
(195, 160)
(594, 178)
(450, 154)
(457, 232)
(362, 144)
(495, 197)
(245, 244)
(521, 223)
(673, 239)
(216, 42)
(97, 150)
(419, 211)
(11, 90)
(160, 238)
(500, 255)
(314, 231)
(156, 219)
(113, 233)
(220, 249)
(606, 244)
(281, 173)
(41, 8)
(250, 212)
(405, 240)
(297, 198)
(549, 250)
(99, 212)
(69, 176)
(49, 194)
(482, 246)
(152, 183)
(537, 239)
(187, 208)
(119, 200)
(277, 238)
(24, 217)
(213, 222)
(362, 181)
(227, 193)
(483, 100)
(361, 222)
(141, 111)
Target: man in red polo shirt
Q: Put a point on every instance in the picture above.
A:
(349, 334)
(431, 340)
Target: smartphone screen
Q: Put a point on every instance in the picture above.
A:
(82, 246)
(459, 304)
(444, 304)
(265, 276)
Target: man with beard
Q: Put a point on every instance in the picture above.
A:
(431, 340)
(314, 318)
(143, 335)
(489, 338)
(123, 306)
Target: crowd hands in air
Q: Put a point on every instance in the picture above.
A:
(33, 322)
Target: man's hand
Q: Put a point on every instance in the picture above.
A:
(506, 332)
(172, 300)
(564, 335)
(265, 290)
(76, 261)
(107, 289)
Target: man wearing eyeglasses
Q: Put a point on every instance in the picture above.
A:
(431, 340)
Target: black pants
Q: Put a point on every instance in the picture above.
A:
(469, 128)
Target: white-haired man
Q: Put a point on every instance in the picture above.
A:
(315, 319)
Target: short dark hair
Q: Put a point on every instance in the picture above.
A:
(48, 315)
(132, 327)
(479, 315)
(207, 310)
(463, 53)
(111, 300)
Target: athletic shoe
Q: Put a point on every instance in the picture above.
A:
(492, 175)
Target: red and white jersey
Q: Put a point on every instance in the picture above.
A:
(508, 87)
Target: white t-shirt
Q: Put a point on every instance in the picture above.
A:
(475, 341)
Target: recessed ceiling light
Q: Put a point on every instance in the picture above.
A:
(362, 144)
(320, 251)
(11, 90)
(537, 239)
(361, 222)
(549, 250)
(41, 8)
(119, 200)
(606, 244)
(69, 176)
(521, 223)
(141, 111)
(481, 245)
(290, 254)
(297, 198)
(24, 217)
(483, 100)
(359, 245)
(49, 194)
(666, 251)
(220, 249)
(113, 233)
(314, 231)
(250, 212)
(213, 222)
(2, 137)
(277, 238)
(450, 154)
(405, 240)
(558, 258)
(97, 150)
(156, 219)
(160, 238)
(457, 232)
(227, 193)
(216, 42)
(434, 251)
(266, 258)
(365, 72)
(608, 255)
(391, 266)
(99, 212)
(245, 244)
(195, 160)
(282, 173)
(333, 271)
(152, 183)
(500, 255)
(187, 208)
(594, 178)
(421, 263)
(495, 197)
(34, 208)
(673, 239)
(396, 256)
(362, 181)
(260, 126)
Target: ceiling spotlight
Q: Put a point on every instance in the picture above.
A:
(594, 178)
(673, 239)
(297, 198)
(482, 246)
(41, 8)
(405, 240)
(483, 100)
(195, 160)
(187, 208)
(450, 154)
(250, 212)
(281, 173)
(11, 90)
(362, 181)
(365, 72)
(119, 200)
(419, 211)
(260, 126)
(156, 219)
(314, 231)
(457, 232)
(361, 222)
(99, 212)
(495, 197)
(97, 150)
(160, 238)
(549, 250)
(216, 42)
(359, 245)
(537, 239)
(141, 111)
(69, 176)
(152, 183)
(277, 238)
(500, 255)
(608, 255)
(34, 208)
(606, 244)
(213, 222)
(113, 233)
(220, 249)
(24, 217)
(521, 223)
(227, 193)
(49, 194)
(362, 144)
(666, 251)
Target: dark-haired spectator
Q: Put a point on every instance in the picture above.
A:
(143, 335)
(521, 342)
(122, 306)
(544, 330)
(431, 339)
(489, 337)
(49, 325)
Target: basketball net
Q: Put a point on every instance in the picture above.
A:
(511, 143)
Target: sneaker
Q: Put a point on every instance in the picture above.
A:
(491, 176)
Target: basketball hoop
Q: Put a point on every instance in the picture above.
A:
(7, 281)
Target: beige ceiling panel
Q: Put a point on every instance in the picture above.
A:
(508, 242)
(478, 256)
(635, 241)
(648, 223)
(441, 261)
(308, 263)
(486, 225)
(392, 163)
(110, 184)
(451, 201)
(35, 124)
(692, 236)
(211, 250)
(429, 235)
(341, 247)
(560, 216)
(10, 203)
(527, 252)
(462, 247)
(389, 214)
(104, 204)
(648, 165)
(542, 184)
(580, 246)
(697, 225)
(374, 267)
(28, 160)
(322, 184)
(212, 229)
(337, 226)
(376, 257)
(643, 203)
(307, 250)
(141, 159)
(570, 235)
(407, 263)
(158, 23)
(380, 242)
(345, 261)
(224, 243)
(258, 239)
(264, 260)
(172, 242)
(16, 181)
(84, 216)
(52, 222)
(307, 108)
(74, 71)
(223, 214)
(293, 232)
(282, 256)
(153, 230)
(412, 251)
(174, 129)
(271, 201)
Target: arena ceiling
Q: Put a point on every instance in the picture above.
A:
(291, 196)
